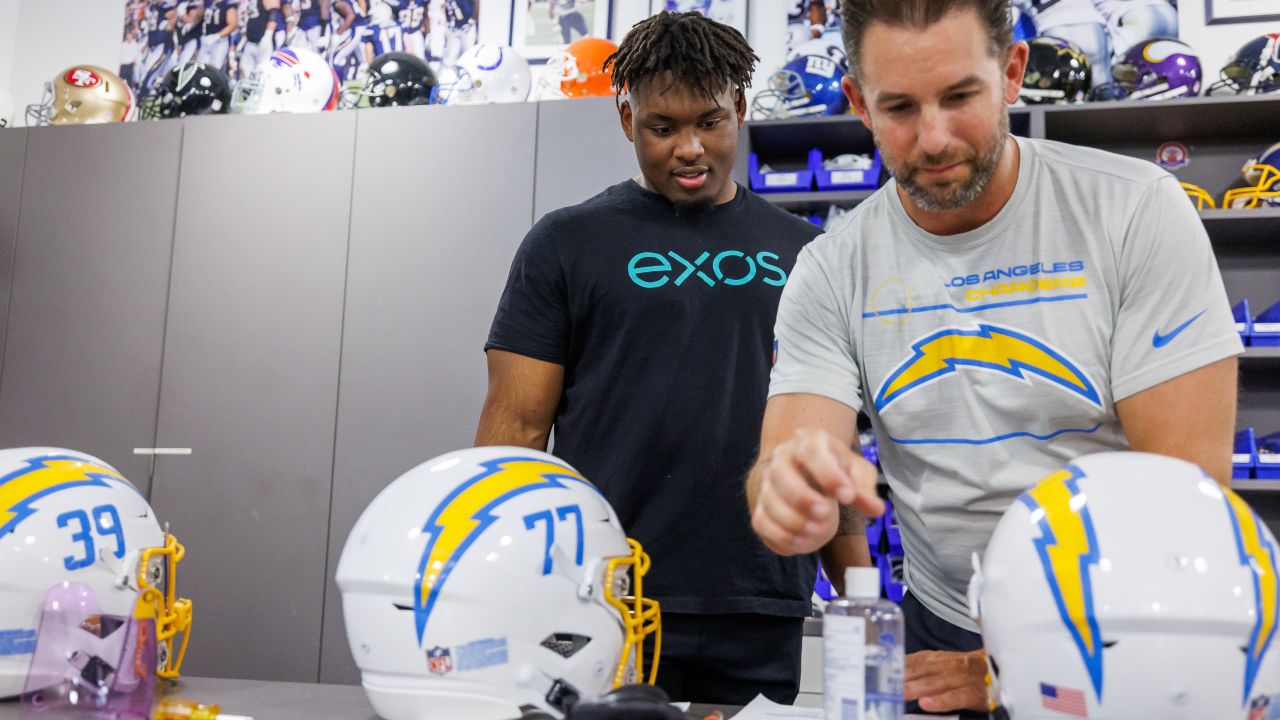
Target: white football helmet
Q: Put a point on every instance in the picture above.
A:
(489, 579)
(489, 74)
(1126, 586)
(293, 80)
(70, 517)
(6, 109)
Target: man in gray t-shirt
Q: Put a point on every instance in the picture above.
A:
(1000, 308)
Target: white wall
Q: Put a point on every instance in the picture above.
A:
(1216, 43)
(48, 37)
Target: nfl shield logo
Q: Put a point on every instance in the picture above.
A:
(1258, 708)
(439, 661)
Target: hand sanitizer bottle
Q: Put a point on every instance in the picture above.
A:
(862, 652)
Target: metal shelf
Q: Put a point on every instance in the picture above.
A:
(1252, 231)
(1256, 485)
(816, 201)
(1261, 353)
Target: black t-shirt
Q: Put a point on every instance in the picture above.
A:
(664, 325)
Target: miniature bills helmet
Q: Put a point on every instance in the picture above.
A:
(293, 80)
(490, 579)
(67, 517)
(1130, 585)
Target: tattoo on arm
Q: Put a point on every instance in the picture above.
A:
(850, 522)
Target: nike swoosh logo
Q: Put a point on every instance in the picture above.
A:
(1159, 341)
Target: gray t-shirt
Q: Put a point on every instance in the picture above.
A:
(987, 359)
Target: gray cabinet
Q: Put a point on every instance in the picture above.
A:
(581, 151)
(90, 274)
(13, 151)
(433, 228)
(250, 384)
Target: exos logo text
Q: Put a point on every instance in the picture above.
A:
(729, 267)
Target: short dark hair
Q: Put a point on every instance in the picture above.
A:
(856, 15)
(698, 52)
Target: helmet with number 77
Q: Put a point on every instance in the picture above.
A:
(68, 517)
(1129, 585)
(491, 579)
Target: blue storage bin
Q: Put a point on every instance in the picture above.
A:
(1244, 455)
(1268, 457)
(844, 179)
(779, 181)
(1244, 321)
(1265, 331)
(822, 586)
(891, 577)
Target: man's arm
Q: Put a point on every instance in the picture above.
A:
(521, 404)
(806, 468)
(1191, 417)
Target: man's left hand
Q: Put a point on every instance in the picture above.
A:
(944, 681)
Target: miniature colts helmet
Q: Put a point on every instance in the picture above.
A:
(490, 579)
(68, 517)
(1130, 585)
(84, 95)
(489, 74)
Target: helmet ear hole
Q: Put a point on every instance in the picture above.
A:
(566, 645)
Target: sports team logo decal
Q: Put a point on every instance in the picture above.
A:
(439, 660)
(83, 77)
(1172, 155)
(1258, 555)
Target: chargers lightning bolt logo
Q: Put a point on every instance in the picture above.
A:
(1067, 547)
(1259, 555)
(44, 476)
(986, 347)
(465, 514)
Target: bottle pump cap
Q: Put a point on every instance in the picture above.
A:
(862, 582)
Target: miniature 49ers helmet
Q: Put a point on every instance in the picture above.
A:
(1127, 586)
(84, 95)
(491, 579)
(67, 517)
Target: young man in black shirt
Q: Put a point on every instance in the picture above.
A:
(639, 324)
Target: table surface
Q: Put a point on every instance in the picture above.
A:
(264, 700)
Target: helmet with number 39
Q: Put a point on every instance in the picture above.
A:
(491, 579)
(70, 517)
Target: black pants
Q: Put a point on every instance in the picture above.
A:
(729, 659)
(926, 631)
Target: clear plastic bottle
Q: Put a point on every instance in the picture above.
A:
(862, 652)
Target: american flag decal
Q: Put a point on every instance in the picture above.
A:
(1063, 700)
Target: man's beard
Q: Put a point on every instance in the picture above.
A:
(934, 199)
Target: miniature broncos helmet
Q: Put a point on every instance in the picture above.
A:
(69, 517)
(1254, 69)
(1263, 175)
(1057, 72)
(1129, 585)
(489, 579)
(293, 80)
(188, 89)
(579, 70)
(84, 95)
(808, 84)
(489, 74)
(398, 78)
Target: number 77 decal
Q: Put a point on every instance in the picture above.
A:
(561, 513)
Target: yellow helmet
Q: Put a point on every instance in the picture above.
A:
(1263, 175)
(83, 95)
(1201, 197)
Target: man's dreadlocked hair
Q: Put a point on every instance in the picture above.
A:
(700, 54)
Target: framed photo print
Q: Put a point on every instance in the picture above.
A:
(1225, 12)
(541, 28)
